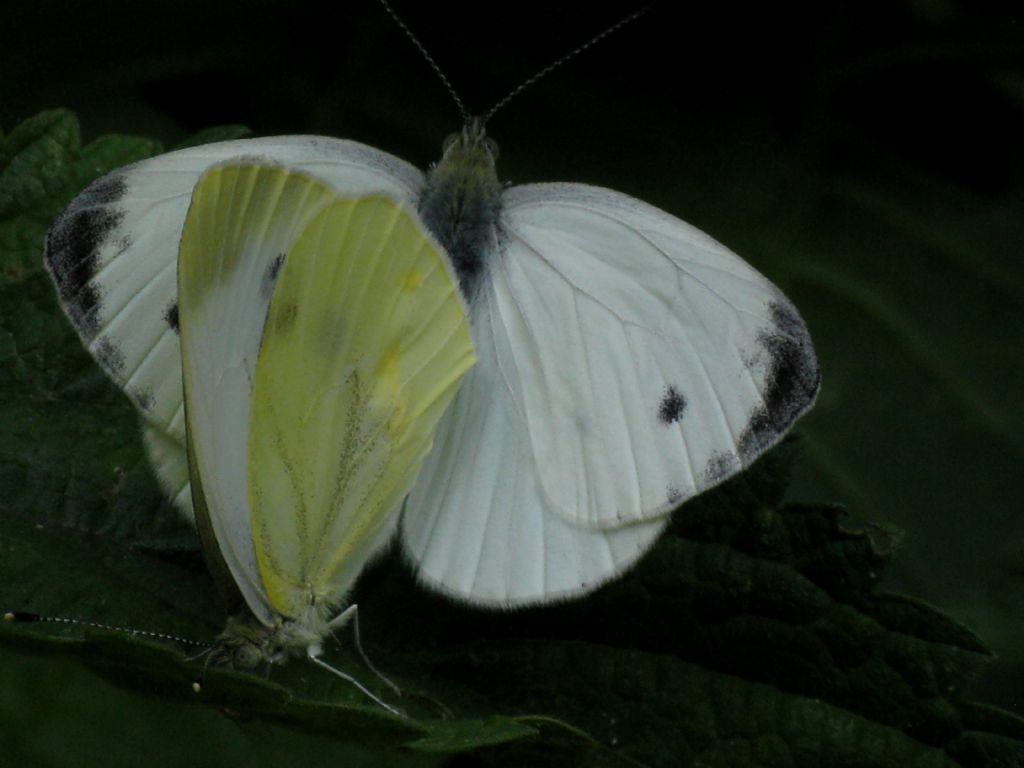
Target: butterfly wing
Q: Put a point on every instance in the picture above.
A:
(242, 221)
(651, 362)
(366, 341)
(477, 524)
(112, 256)
(634, 363)
(170, 464)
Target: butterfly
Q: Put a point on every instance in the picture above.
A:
(322, 337)
(626, 361)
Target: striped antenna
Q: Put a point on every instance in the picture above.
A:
(466, 116)
(560, 61)
(312, 655)
(24, 617)
(430, 59)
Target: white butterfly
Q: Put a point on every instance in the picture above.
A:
(626, 361)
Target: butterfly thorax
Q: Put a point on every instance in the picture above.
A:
(461, 201)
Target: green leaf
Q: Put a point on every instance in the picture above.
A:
(753, 633)
(931, 279)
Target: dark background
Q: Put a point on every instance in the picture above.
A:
(865, 156)
(934, 83)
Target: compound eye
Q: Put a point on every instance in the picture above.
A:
(246, 657)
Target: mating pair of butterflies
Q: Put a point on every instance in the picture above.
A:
(329, 348)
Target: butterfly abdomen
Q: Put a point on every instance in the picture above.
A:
(461, 202)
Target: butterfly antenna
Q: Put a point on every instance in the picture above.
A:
(430, 59)
(560, 61)
(23, 617)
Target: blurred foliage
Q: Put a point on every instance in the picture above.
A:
(867, 157)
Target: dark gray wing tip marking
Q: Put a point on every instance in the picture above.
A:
(143, 399)
(109, 355)
(672, 406)
(792, 382)
(674, 495)
(720, 466)
(73, 243)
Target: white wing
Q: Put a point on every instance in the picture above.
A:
(649, 362)
(112, 255)
(627, 362)
(477, 524)
(170, 463)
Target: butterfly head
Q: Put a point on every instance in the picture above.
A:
(471, 150)
(246, 643)
(243, 644)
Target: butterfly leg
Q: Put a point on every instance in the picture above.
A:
(197, 656)
(352, 614)
(311, 656)
(343, 618)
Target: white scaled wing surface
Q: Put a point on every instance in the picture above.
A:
(477, 522)
(627, 362)
(649, 362)
(112, 256)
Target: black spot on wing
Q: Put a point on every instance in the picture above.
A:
(674, 495)
(73, 244)
(171, 317)
(790, 386)
(672, 406)
(270, 276)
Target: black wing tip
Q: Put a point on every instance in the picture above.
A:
(73, 243)
(791, 385)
